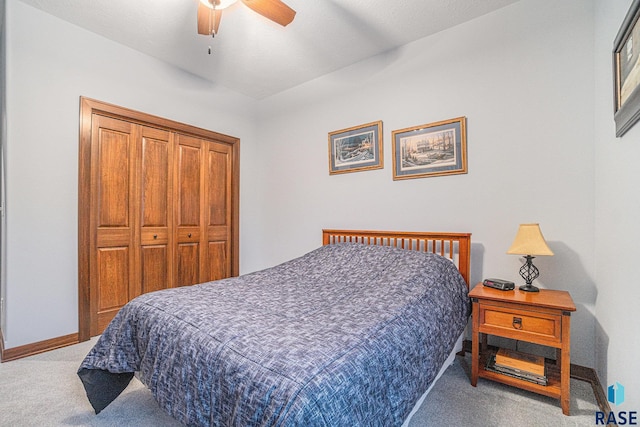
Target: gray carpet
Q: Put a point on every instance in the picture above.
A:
(43, 390)
(454, 402)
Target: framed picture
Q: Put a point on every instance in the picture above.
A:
(356, 149)
(430, 150)
(626, 71)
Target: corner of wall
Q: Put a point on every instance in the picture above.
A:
(3, 138)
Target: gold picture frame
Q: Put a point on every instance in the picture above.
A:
(433, 149)
(355, 149)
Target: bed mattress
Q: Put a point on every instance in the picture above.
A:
(345, 335)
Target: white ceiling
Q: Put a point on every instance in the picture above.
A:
(255, 56)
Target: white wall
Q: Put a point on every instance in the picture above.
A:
(616, 222)
(523, 77)
(50, 64)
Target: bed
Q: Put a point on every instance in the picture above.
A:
(352, 333)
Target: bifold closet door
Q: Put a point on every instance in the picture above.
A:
(204, 213)
(156, 211)
(113, 208)
(190, 204)
(132, 251)
(218, 211)
(158, 208)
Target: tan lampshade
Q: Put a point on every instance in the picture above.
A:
(529, 241)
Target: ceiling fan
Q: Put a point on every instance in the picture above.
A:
(210, 12)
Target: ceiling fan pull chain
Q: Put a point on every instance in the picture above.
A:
(211, 18)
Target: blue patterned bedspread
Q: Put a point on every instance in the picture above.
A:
(346, 335)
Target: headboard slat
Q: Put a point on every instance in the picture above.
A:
(455, 246)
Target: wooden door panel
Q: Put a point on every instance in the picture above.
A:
(156, 210)
(188, 234)
(155, 164)
(190, 191)
(218, 210)
(154, 236)
(188, 264)
(217, 234)
(219, 191)
(113, 172)
(113, 236)
(189, 182)
(112, 177)
(112, 283)
(218, 261)
(155, 262)
(113, 277)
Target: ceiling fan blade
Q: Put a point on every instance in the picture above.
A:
(274, 10)
(208, 20)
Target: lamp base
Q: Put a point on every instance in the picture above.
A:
(529, 288)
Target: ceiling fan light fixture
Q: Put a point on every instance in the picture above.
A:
(219, 4)
(210, 13)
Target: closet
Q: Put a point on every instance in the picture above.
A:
(158, 208)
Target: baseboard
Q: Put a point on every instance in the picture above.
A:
(581, 373)
(589, 375)
(19, 352)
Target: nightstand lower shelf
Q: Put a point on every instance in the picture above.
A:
(552, 389)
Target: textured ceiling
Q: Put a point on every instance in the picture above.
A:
(256, 57)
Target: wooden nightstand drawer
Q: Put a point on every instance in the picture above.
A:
(521, 324)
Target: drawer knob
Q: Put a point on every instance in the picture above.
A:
(155, 236)
(189, 235)
(517, 322)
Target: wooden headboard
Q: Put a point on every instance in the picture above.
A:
(455, 246)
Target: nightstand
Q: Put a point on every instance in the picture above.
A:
(537, 317)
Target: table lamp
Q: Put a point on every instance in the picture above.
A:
(530, 243)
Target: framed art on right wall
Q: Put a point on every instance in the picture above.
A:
(432, 149)
(626, 71)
